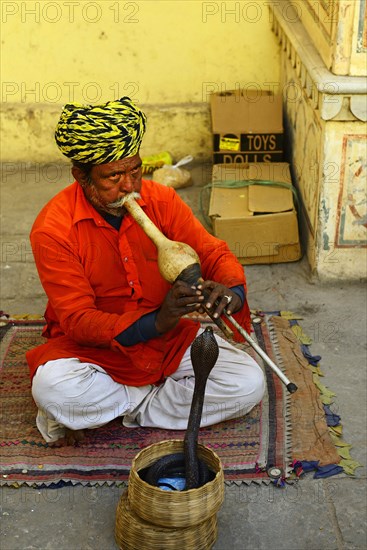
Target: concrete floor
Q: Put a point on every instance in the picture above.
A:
(313, 514)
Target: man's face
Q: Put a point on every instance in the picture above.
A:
(110, 183)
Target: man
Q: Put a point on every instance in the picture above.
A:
(118, 336)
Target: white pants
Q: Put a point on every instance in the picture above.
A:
(79, 395)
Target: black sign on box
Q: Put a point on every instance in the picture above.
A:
(248, 148)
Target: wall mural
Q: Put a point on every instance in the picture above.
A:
(351, 228)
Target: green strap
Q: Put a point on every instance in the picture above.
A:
(237, 184)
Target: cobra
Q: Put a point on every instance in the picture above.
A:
(204, 354)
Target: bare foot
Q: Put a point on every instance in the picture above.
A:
(71, 437)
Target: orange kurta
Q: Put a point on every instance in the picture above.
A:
(99, 281)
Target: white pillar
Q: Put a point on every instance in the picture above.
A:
(326, 124)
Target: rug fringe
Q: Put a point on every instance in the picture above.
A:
(64, 483)
(123, 484)
(287, 402)
(326, 396)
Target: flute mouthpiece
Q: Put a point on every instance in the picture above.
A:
(129, 197)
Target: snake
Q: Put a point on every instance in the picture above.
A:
(204, 354)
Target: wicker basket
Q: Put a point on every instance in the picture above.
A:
(133, 533)
(174, 508)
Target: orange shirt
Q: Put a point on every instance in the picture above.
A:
(99, 281)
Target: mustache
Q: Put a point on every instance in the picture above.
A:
(116, 204)
(119, 203)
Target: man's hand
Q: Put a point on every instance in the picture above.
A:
(183, 299)
(218, 297)
(179, 301)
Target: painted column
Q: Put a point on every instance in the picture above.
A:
(326, 124)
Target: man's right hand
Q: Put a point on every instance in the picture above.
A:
(179, 301)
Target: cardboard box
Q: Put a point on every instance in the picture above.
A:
(259, 222)
(247, 126)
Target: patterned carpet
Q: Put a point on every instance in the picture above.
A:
(247, 446)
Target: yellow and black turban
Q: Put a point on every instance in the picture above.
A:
(101, 133)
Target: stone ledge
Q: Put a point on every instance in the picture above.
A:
(337, 97)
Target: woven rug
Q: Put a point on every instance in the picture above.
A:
(247, 447)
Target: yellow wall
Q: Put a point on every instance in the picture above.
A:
(161, 53)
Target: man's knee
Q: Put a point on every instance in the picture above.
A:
(255, 384)
(49, 385)
(57, 395)
(40, 386)
(249, 389)
(243, 391)
(41, 396)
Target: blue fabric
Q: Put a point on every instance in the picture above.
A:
(309, 465)
(142, 330)
(328, 471)
(321, 471)
(312, 359)
(172, 483)
(240, 291)
(115, 221)
(332, 419)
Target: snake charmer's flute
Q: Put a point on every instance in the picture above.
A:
(179, 261)
(176, 260)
